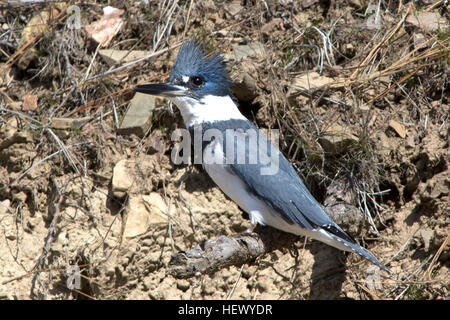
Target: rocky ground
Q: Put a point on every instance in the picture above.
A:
(357, 89)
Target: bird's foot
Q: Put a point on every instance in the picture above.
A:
(249, 230)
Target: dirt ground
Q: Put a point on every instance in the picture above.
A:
(373, 118)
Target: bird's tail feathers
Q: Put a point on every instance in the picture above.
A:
(356, 248)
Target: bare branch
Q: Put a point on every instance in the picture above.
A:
(215, 254)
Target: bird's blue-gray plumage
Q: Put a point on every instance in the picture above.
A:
(282, 194)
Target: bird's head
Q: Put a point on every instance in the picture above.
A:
(199, 86)
(192, 76)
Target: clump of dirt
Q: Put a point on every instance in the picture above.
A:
(363, 124)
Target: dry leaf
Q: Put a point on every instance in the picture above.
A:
(107, 27)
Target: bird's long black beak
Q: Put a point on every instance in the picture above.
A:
(161, 89)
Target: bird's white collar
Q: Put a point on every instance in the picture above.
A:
(209, 109)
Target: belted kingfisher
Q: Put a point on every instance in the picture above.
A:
(199, 87)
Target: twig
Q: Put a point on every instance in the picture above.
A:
(375, 50)
(130, 64)
(427, 275)
(372, 294)
(45, 159)
(64, 150)
(186, 25)
(235, 284)
(215, 254)
(404, 245)
(55, 203)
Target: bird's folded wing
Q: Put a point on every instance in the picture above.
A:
(284, 191)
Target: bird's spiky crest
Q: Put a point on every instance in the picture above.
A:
(191, 61)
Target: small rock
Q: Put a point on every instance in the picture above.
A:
(234, 7)
(112, 56)
(308, 3)
(16, 105)
(426, 235)
(62, 238)
(428, 21)
(240, 52)
(419, 40)
(183, 285)
(122, 179)
(30, 102)
(244, 87)
(157, 207)
(337, 139)
(355, 3)
(69, 123)
(137, 119)
(7, 225)
(312, 80)
(143, 211)
(138, 217)
(398, 128)
(410, 142)
(19, 197)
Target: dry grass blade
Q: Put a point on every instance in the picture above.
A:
(404, 78)
(131, 64)
(99, 102)
(377, 48)
(45, 159)
(65, 151)
(370, 292)
(16, 56)
(429, 270)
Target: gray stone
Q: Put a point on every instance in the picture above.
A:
(240, 52)
(244, 87)
(137, 119)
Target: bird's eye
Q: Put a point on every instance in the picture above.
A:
(198, 81)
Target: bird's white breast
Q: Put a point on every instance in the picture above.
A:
(208, 109)
(235, 188)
